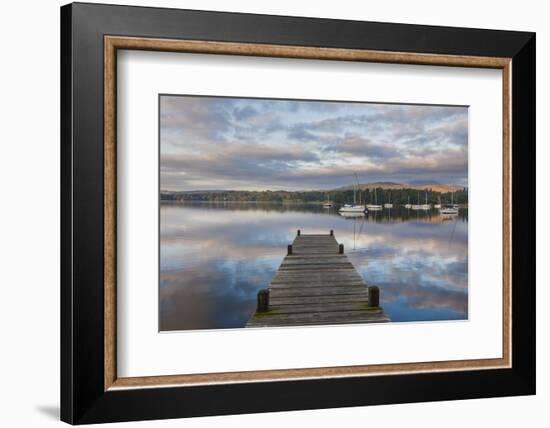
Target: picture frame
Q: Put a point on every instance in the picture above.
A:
(91, 391)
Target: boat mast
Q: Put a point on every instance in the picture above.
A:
(356, 187)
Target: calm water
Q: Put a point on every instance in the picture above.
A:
(215, 257)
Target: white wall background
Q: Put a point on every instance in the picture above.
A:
(29, 212)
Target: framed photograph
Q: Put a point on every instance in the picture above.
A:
(265, 213)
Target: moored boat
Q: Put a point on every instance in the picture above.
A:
(349, 208)
(328, 204)
(389, 204)
(438, 205)
(375, 206)
(449, 210)
(354, 208)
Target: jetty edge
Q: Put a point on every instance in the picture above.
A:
(316, 284)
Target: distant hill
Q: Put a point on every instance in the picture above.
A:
(417, 185)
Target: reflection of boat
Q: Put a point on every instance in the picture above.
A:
(351, 214)
(447, 217)
(375, 206)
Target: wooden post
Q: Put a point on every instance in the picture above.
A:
(374, 297)
(331, 232)
(298, 232)
(289, 250)
(341, 249)
(263, 301)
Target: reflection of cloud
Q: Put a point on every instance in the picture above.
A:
(416, 265)
(213, 294)
(239, 143)
(215, 257)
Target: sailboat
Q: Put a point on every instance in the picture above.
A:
(353, 208)
(408, 204)
(417, 205)
(438, 205)
(449, 209)
(328, 204)
(425, 206)
(375, 206)
(389, 204)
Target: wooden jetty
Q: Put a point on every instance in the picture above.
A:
(316, 284)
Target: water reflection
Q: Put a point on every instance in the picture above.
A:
(215, 258)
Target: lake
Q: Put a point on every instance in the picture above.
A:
(215, 257)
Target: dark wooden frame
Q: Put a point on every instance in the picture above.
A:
(87, 168)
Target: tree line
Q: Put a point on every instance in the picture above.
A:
(338, 197)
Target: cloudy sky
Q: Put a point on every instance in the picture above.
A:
(210, 143)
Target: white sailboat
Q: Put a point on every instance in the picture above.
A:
(389, 204)
(449, 209)
(417, 206)
(438, 205)
(353, 208)
(375, 206)
(408, 204)
(425, 206)
(328, 204)
(347, 208)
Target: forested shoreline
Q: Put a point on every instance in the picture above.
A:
(339, 197)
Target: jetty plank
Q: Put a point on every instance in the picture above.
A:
(316, 284)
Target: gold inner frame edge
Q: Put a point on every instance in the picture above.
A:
(113, 43)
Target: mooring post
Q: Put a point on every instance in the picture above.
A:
(341, 249)
(374, 297)
(263, 301)
(289, 250)
(298, 233)
(331, 232)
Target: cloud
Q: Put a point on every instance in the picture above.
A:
(241, 143)
(356, 145)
